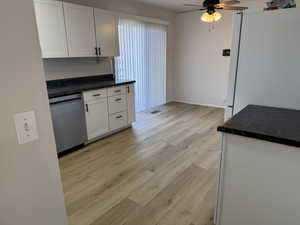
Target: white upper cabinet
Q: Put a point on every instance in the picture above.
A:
(71, 30)
(106, 33)
(80, 26)
(51, 28)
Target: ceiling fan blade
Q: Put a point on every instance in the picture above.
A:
(193, 5)
(230, 2)
(234, 8)
(191, 10)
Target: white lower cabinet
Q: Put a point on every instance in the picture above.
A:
(258, 183)
(109, 110)
(96, 118)
(131, 103)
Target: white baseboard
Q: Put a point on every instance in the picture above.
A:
(200, 104)
(170, 100)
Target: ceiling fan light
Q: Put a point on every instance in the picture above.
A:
(206, 17)
(209, 18)
(217, 16)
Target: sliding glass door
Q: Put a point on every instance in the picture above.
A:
(143, 58)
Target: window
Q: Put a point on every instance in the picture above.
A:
(143, 58)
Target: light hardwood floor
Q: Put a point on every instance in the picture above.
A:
(163, 171)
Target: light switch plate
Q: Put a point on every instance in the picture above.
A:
(26, 127)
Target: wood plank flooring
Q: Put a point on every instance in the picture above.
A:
(163, 171)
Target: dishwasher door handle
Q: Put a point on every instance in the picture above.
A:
(64, 101)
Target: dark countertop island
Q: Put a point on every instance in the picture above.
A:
(271, 124)
(58, 88)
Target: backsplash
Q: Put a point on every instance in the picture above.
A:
(65, 68)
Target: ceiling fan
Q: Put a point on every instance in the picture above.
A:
(210, 6)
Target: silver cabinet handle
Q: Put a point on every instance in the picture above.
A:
(119, 117)
(118, 99)
(117, 91)
(97, 95)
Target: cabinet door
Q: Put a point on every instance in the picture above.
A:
(51, 28)
(97, 118)
(80, 25)
(107, 33)
(131, 103)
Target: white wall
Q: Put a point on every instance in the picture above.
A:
(30, 187)
(200, 71)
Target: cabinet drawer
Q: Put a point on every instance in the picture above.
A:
(120, 90)
(117, 120)
(94, 95)
(117, 104)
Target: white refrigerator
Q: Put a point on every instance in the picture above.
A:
(265, 60)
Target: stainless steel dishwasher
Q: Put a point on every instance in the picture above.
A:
(68, 121)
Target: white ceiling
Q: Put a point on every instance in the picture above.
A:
(178, 5)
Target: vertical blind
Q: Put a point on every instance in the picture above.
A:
(143, 58)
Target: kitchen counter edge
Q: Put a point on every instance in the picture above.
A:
(277, 125)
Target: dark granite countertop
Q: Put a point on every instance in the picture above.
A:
(271, 124)
(58, 88)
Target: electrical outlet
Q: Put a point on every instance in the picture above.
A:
(26, 128)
